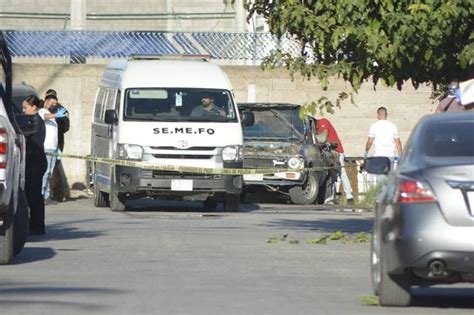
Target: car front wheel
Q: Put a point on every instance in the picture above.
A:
(307, 193)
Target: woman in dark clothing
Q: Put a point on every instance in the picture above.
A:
(35, 166)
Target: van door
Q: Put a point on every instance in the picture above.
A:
(104, 139)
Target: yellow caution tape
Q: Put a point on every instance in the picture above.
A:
(188, 169)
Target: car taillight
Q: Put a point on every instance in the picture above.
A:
(3, 148)
(414, 191)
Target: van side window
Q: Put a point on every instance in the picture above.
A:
(99, 104)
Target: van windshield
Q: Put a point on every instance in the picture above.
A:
(178, 104)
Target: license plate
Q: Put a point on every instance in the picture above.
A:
(182, 184)
(255, 177)
(470, 199)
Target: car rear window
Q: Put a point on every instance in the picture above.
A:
(449, 139)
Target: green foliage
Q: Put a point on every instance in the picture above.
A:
(370, 300)
(361, 237)
(370, 196)
(392, 41)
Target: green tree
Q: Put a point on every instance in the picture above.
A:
(393, 41)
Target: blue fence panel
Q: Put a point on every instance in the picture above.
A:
(84, 44)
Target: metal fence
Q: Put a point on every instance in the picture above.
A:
(84, 44)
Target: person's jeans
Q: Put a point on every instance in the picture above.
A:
(46, 190)
(346, 183)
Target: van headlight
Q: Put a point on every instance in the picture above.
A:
(130, 151)
(232, 153)
(295, 162)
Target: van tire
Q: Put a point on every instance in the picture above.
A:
(307, 193)
(232, 203)
(6, 239)
(21, 223)
(210, 204)
(117, 202)
(101, 199)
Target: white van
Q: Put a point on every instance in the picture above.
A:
(158, 111)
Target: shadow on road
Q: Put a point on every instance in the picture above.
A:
(144, 205)
(33, 295)
(33, 254)
(64, 231)
(345, 225)
(443, 297)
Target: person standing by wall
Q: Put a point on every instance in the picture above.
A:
(59, 184)
(50, 143)
(324, 125)
(35, 167)
(383, 138)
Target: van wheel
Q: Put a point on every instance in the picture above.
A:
(21, 223)
(117, 200)
(307, 193)
(232, 203)
(101, 199)
(210, 204)
(6, 237)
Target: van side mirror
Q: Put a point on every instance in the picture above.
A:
(377, 165)
(248, 119)
(111, 117)
(28, 124)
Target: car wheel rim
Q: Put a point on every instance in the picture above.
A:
(310, 187)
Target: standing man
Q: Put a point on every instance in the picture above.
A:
(450, 103)
(50, 143)
(383, 137)
(59, 184)
(324, 125)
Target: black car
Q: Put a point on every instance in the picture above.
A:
(424, 217)
(280, 139)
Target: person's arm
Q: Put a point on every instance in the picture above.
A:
(398, 143)
(368, 145)
(59, 114)
(49, 116)
(370, 140)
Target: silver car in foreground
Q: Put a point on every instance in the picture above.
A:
(424, 217)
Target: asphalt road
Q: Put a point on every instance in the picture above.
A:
(173, 258)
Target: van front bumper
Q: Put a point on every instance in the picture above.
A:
(135, 180)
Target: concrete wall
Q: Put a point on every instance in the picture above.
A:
(190, 15)
(76, 86)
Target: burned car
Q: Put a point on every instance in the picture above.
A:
(278, 139)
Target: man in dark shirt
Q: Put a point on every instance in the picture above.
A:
(207, 108)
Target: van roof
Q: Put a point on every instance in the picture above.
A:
(169, 73)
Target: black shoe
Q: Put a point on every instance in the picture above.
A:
(350, 201)
(50, 201)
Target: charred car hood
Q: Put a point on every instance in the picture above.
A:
(275, 148)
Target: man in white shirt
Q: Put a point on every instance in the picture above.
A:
(50, 144)
(383, 137)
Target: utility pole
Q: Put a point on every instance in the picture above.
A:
(78, 15)
(169, 18)
(240, 16)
